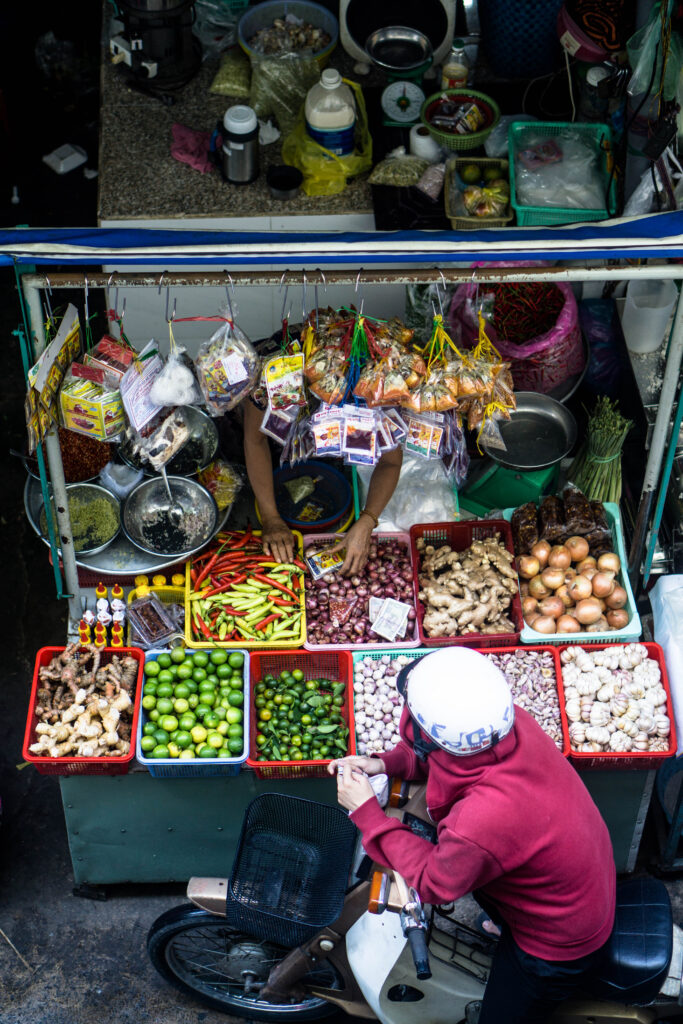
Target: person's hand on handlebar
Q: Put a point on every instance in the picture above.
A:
(277, 538)
(369, 765)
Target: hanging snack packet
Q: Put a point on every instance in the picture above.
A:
(223, 481)
(284, 380)
(227, 368)
(326, 427)
(176, 384)
(136, 386)
(277, 423)
(359, 445)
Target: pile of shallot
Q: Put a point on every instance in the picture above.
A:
(532, 678)
(338, 607)
(565, 589)
(614, 700)
(377, 704)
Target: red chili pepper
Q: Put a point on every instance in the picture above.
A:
(207, 568)
(193, 577)
(203, 626)
(281, 603)
(268, 619)
(272, 583)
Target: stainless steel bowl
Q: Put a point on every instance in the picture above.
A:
(398, 48)
(86, 492)
(148, 522)
(195, 455)
(540, 433)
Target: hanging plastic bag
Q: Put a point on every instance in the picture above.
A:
(423, 494)
(325, 173)
(279, 83)
(645, 54)
(176, 384)
(227, 367)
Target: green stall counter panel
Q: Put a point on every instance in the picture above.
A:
(134, 828)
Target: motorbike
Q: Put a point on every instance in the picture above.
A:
(253, 945)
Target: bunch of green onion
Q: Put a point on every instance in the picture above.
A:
(596, 470)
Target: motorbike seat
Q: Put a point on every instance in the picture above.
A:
(638, 953)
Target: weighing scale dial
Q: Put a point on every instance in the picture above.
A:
(402, 102)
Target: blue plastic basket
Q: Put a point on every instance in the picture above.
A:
(200, 767)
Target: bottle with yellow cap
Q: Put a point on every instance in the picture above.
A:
(116, 641)
(178, 579)
(100, 590)
(159, 580)
(100, 641)
(117, 592)
(141, 581)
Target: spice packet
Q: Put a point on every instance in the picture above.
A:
(136, 385)
(284, 380)
(150, 624)
(277, 423)
(321, 562)
(374, 608)
(391, 619)
(359, 444)
(340, 609)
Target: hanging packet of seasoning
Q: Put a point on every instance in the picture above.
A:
(227, 367)
(359, 444)
(277, 423)
(284, 379)
(136, 386)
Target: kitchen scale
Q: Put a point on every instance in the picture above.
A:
(404, 55)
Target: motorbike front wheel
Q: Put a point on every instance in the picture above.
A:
(205, 957)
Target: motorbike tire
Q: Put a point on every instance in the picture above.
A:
(186, 942)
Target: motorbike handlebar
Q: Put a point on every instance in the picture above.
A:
(417, 940)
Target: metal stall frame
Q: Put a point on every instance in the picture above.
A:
(32, 284)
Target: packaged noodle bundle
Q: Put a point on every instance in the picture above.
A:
(227, 368)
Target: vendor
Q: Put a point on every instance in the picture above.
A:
(278, 540)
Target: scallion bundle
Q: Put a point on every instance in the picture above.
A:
(596, 470)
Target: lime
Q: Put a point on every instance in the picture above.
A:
(201, 710)
(169, 723)
(215, 740)
(491, 173)
(297, 674)
(165, 687)
(235, 715)
(178, 655)
(174, 750)
(207, 751)
(200, 659)
(193, 700)
(160, 751)
(235, 745)
(191, 685)
(152, 668)
(181, 690)
(222, 728)
(223, 671)
(211, 720)
(164, 660)
(153, 714)
(184, 670)
(150, 688)
(224, 752)
(180, 706)
(198, 733)
(219, 711)
(236, 730)
(164, 706)
(187, 755)
(147, 744)
(236, 659)
(149, 702)
(186, 722)
(218, 657)
(471, 174)
(148, 729)
(236, 698)
(184, 740)
(198, 674)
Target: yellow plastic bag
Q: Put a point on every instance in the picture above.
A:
(325, 173)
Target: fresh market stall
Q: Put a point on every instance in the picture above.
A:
(164, 802)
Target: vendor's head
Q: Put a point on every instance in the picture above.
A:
(459, 699)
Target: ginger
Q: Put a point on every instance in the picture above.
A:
(468, 591)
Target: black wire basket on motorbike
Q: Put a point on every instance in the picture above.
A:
(293, 858)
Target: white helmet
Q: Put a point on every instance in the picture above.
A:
(459, 698)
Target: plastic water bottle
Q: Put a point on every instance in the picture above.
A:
(330, 111)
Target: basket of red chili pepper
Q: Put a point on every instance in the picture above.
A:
(235, 596)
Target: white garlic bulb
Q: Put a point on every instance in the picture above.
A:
(662, 725)
(607, 691)
(619, 704)
(646, 724)
(573, 710)
(598, 734)
(577, 733)
(570, 692)
(599, 714)
(657, 695)
(632, 711)
(619, 742)
(641, 741)
(635, 690)
(627, 726)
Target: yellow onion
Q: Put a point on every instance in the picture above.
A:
(544, 624)
(529, 605)
(609, 562)
(541, 550)
(617, 618)
(552, 606)
(617, 599)
(528, 566)
(586, 563)
(603, 584)
(588, 611)
(564, 595)
(568, 624)
(580, 588)
(559, 557)
(537, 588)
(600, 626)
(577, 547)
(552, 577)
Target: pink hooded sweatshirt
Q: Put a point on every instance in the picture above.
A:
(515, 821)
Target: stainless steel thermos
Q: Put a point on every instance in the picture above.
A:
(240, 145)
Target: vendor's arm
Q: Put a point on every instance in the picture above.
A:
(382, 485)
(277, 537)
(439, 873)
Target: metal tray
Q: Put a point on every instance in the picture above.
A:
(120, 558)
(538, 434)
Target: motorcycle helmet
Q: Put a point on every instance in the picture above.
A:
(459, 699)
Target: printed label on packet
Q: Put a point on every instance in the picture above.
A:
(391, 620)
(322, 562)
(235, 370)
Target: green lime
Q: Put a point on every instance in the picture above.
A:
(219, 711)
(235, 745)
(150, 687)
(164, 706)
(297, 674)
(181, 690)
(180, 706)
(193, 700)
(152, 668)
(184, 671)
(198, 733)
(165, 687)
(178, 655)
(186, 722)
(164, 660)
(222, 728)
(147, 744)
(201, 710)
(187, 755)
(218, 657)
(211, 720)
(149, 702)
(148, 729)
(236, 730)
(207, 751)
(200, 659)
(169, 723)
(198, 674)
(153, 715)
(215, 740)
(471, 174)
(160, 751)
(223, 671)
(236, 698)
(184, 740)
(224, 752)
(236, 659)
(235, 715)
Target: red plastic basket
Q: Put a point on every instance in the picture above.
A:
(82, 765)
(460, 536)
(554, 651)
(406, 642)
(634, 759)
(329, 664)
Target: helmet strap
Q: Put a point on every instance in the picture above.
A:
(422, 745)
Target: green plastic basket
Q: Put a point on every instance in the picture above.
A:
(521, 132)
(451, 140)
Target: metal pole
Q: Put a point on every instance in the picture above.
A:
(657, 444)
(66, 543)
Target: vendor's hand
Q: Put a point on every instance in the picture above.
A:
(357, 544)
(369, 765)
(353, 789)
(277, 538)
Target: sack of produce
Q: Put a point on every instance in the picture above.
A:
(534, 326)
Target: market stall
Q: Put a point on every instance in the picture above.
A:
(157, 793)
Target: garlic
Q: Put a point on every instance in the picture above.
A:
(657, 695)
(618, 704)
(627, 726)
(598, 734)
(599, 715)
(573, 710)
(663, 725)
(577, 733)
(607, 691)
(620, 743)
(641, 741)
(646, 724)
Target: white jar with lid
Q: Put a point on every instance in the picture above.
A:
(240, 145)
(330, 111)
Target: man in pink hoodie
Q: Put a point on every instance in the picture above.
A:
(515, 825)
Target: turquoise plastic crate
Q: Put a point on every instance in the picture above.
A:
(630, 633)
(595, 133)
(200, 767)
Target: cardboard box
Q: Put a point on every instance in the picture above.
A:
(89, 407)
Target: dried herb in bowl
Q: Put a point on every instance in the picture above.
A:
(94, 521)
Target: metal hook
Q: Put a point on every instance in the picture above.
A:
(227, 292)
(85, 298)
(438, 293)
(116, 293)
(362, 298)
(48, 303)
(161, 281)
(172, 316)
(303, 297)
(285, 313)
